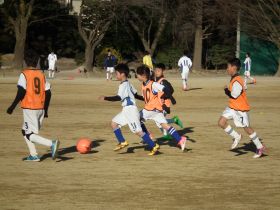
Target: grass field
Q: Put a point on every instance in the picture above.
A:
(206, 176)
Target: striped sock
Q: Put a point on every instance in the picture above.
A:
(144, 129)
(254, 137)
(119, 136)
(230, 131)
(146, 139)
(172, 131)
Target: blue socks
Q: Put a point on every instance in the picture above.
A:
(119, 135)
(144, 129)
(174, 134)
(146, 139)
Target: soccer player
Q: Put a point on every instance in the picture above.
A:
(247, 74)
(35, 94)
(185, 65)
(52, 58)
(166, 103)
(129, 114)
(238, 109)
(109, 63)
(153, 106)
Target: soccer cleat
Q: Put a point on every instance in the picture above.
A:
(182, 143)
(54, 148)
(236, 142)
(177, 121)
(34, 158)
(154, 150)
(259, 152)
(121, 146)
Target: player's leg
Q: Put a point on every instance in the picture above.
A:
(118, 121)
(228, 115)
(32, 122)
(50, 72)
(107, 73)
(53, 71)
(32, 150)
(111, 72)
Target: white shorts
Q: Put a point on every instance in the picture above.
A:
(158, 117)
(52, 66)
(32, 120)
(247, 73)
(129, 115)
(185, 74)
(110, 69)
(240, 119)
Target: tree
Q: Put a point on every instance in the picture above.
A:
(93, 22)
(19, 13)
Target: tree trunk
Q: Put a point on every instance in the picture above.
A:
(89, 53)
(198, 37)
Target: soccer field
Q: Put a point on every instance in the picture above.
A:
(206, 176)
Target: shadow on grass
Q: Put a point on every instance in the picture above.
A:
(247, 147)
(71, 149)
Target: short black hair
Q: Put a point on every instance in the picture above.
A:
(185, 52)
(160, 66)
(31, 58)
(122, 68)
(248, 54)
(108, 50)
(235, 62)
(144, 70)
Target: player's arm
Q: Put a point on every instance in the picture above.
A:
(170, 89)
(136, 95)
(48, 95)
(236, 90)
(112, 98)
(160, 88)
(19, 96)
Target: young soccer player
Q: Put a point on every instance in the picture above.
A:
(185, 65)
(247, 74)
(238, 109)
(52, 58)
(109, 63)
(129, 114)
(153, 106)
(35, 94)
(166, 103)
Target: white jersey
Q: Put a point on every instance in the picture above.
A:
(22, 82)
(247, 63)
(52, 58)
(185, 63)
(126, 92)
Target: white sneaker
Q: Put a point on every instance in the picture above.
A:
(182, 143)
(259, 152)
(236, 141)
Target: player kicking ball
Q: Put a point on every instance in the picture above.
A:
(129, 114)
(35, 94)
(166, 103)
(238, 109)
(153, 106)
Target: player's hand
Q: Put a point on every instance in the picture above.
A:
(46, 115)
(10, 110)
(101, 98)
(225, 87)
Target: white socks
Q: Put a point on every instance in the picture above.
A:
(184, 84)
(40, 140)
(229, 130)
(256, 140)
(107, 76)
(31, 147)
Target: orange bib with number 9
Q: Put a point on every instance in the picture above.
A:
(35, 90)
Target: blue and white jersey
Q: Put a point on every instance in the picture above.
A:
(185, 63)
(247, 63)
(126, 92)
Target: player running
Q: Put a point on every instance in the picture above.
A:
(35, 94)
(153, 106)
(238, 109)
(129, 114)
(185, 65)
(247, 72)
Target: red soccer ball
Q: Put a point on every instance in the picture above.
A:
(83, 145)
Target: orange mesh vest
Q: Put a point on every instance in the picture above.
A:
(241, 102)
(152, 101)
(35, 90)
(167, 102)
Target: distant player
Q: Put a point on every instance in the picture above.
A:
(238, 109)
(52, 58)
(247, 72)
(166, 103)
(129, 114)
(185, 65)
(109, 63)
(35, 94)
(153, 106)
(148, 61)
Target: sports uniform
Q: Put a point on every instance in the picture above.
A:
(109, 63)
(34, 94)
(52, 58)
(185, 65)
(247, 74)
